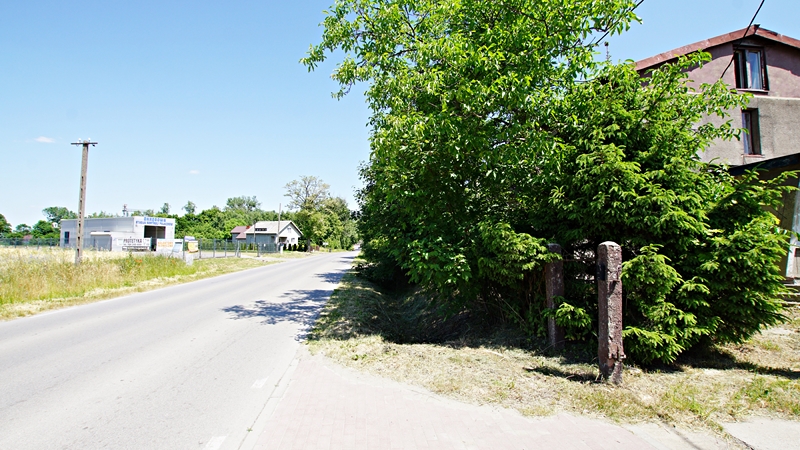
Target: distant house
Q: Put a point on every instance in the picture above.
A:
(238, 233)
(767, 65)
(267, 232)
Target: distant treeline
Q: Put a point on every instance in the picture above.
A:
(320, 217)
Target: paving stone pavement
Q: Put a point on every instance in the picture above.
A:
(322, 405)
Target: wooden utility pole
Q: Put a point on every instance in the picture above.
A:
(82, 199)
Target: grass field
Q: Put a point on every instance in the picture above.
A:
(371, 330)
(33, 281)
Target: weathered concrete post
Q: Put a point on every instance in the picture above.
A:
(554, 276)
(609, 295)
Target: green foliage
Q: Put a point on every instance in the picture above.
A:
(577, 322)
(495, 131)
(507, 256)
(44, 230)
(5, 227)
(55, 214)
(100, 215)
(243, 203)
(321, 218)
(190, 207)
(22, 229)
(309, 192)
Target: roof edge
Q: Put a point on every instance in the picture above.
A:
(755, 30)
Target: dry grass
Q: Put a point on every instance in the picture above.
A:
(32, 281)
(758, 377)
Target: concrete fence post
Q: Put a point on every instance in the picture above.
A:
(554, 281)
(610, 352)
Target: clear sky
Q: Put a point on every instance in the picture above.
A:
(202, 101)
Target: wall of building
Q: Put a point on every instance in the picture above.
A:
(116, 227)
(778, 107)
(290, 235)
(783, 68)
(778, 132)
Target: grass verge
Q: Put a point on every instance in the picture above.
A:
(32, 281)
(395, 336)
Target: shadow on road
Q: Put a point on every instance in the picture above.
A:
(332, 277)
(301, 307)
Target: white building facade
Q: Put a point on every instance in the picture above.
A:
(266, 232)
(118, 233)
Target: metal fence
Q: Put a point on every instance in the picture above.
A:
(207, 248)
(219, 248)
(28, 243)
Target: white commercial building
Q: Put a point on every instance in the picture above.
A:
(119, 233)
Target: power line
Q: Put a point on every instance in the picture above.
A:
(747, 30)
(615, 23)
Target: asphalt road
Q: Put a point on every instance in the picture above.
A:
(183, 367)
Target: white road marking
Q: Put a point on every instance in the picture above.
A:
(215, 443)
(260, 383)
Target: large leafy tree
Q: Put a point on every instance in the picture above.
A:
(190, 207)
(44, 229)
(495, 131)
(321, 217)
(101, 215)
(5, 226)
(308, 193)
(243, 203)
(55, 214)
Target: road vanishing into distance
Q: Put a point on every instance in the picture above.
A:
(183, 367)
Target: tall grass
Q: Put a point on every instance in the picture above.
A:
(29, 275)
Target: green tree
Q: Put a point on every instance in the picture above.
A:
(313, 224)
(243, 203)
(55, 214)
(101, 215)
(44, 230)
(495, 131)
(164, 209)
(309, 193)
(22, 229)
(338, 207)
(209, 224)
(5, 227)
(190, 207)
(341, 229)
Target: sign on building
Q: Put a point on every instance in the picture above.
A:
(135, 244)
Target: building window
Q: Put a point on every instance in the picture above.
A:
(750, 68)
(750, 137)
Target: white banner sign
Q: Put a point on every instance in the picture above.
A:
(157, 221)
(135, 244)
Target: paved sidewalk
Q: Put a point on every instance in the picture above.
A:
(326, 406)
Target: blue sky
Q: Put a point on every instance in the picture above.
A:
(203, 101)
